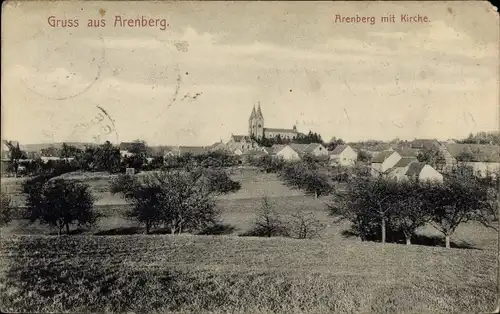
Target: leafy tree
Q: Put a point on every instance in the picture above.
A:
(68, 151)
(60, 203)
(368, 203)
(124, 184)
(105, 157)
(460, 198)
(5, 210)
(49, 152)
(268, 164)
(178, 200)
(492, 138)
(411, 210)
(134, 161)
(216, 181)
(307, 176)
(334, 142)
(465, 156)
(432, 156)
(364, 157)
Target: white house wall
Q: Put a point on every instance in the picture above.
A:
(430, 174)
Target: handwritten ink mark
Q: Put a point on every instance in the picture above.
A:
(347, 116)
(190, 97)
(349, 87)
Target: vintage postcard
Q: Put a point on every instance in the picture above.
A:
(250, 157)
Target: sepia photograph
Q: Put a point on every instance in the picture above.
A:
(250, 157)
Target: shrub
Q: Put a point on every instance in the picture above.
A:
(5, 210)
(123, 184)
(304, 225)
(268, 223)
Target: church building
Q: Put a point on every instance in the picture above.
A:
(256, 127)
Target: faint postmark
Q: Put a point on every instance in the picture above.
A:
(101, 127)
(60, 67)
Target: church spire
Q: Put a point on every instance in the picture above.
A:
(253, 113)
(259, 112)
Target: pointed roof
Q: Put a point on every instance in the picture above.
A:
(381, 157)
(259, 112)
(253, 113)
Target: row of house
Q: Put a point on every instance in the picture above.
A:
(401, 161)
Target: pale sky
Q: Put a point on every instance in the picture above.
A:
(355, 81)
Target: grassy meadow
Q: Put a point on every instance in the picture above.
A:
(227, 274)
(115, 268)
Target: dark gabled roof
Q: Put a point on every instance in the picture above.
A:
(382, 156)
(311, 147)
(255, 153)
(424, 143)
(405, 161)
(241, 138)
(478, 152)
(299, 148)
(281, 130)
(338, 149)
(277, 148)
(407, 152)
(415, 168)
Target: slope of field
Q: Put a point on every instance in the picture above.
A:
(254, 184)
(224, 274)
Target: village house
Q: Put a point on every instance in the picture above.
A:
(343, 155)
(284, 151)
(312, 149)
(192, 150)
(384, 161)
(126, 148)
(240, 144)
(482, 158)
(409, 167)
(375, 150)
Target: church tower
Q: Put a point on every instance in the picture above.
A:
(251, 123)
(256, 123)
(259, 123)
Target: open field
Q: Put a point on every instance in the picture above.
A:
(226, 274)
(237, 210)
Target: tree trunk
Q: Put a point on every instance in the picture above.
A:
(383, 229)
(316, 194)
(408, 240)
(59, 231)
(67, 228)
(148, 227)
(447, 237)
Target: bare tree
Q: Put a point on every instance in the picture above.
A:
(268, 222)
(304, 225)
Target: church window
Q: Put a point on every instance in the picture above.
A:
(259, 126)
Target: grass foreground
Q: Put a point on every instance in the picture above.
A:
(227, 274)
